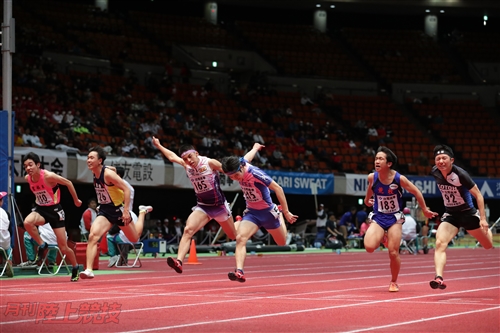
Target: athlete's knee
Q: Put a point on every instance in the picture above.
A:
(369, 249)
(441, 245)
(394, 253)
(189, 231)
(242, 238)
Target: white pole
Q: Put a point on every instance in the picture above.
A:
(217, 235)
(7, 49)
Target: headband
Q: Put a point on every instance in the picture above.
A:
(443, 151)
(243, 162)
(187, 152)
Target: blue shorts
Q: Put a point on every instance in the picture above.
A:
(219, 213)
(266, 218)
(387, 220)
(113, 214)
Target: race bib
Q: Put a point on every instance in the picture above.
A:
(43, 198)
(102, 196)
(201, 185)
(251, 194)
(388, 204)
(452, 197)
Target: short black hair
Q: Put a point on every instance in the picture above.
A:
(230, 163)
(443, 149)
(31, 156)
(100, 152)
(185, 148)
(390, 156)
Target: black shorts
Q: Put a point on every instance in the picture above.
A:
(113, 214)
(468, 219)
(54, 215)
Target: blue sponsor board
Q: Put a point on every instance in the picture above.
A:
(303, 183)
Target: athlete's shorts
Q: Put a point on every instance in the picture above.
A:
(54, 215)
(113, 214)
(219, 213)
(387, 220)
(267, 218)
(469, 220)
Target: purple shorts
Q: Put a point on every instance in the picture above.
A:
(267, 218)
(219, 213)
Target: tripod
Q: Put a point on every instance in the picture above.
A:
(16, 213)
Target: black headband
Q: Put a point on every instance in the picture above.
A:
(443, 151)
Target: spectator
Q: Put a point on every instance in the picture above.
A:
(321, 218)
(88, 218)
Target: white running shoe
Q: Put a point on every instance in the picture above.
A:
(87, 274)
(147, 209)
(113, 260)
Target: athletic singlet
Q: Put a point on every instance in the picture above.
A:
(255, 187)
(388, 198)
(455, 189)
(205, 183)
(45, 196)
(107, 194)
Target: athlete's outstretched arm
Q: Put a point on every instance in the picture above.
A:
(172, 157)
(251, 154)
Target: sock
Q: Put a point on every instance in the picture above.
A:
(240, 270)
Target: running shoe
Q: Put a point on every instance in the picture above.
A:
(176, 264)
(236, 276)
(438, 282)
(74, 274)
(42, 253)
(147, 209)
(28, 263)
(87, 274)
(113, 260)
(393, 287)
(9, 272)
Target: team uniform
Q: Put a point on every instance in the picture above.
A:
(47, 202)
(209, 196)
(260, 208)
(110, 199)
(387, 208)
(460, 210)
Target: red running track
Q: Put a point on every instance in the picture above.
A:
(284, 293)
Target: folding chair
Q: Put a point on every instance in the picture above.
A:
(491, 228)
(7, 259)
(84, 234)
(410, 246)
(124, 249)
(55, 270)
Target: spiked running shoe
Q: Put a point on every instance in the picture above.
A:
(86, 274)
(74, 274)
(236, 276)
(175, 264)
(393, 287)
(438, 282)
(147, 209)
